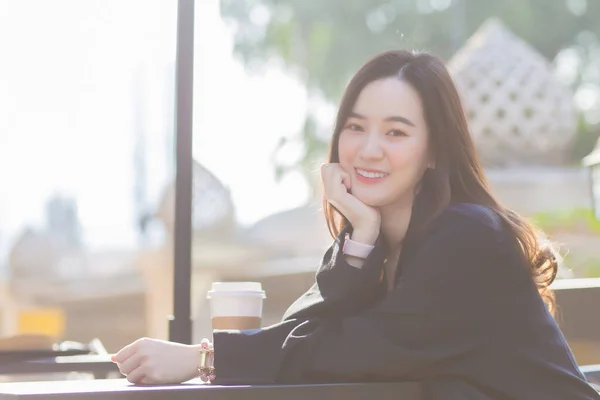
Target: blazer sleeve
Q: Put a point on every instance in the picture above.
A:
(340, 288)
(441, 311)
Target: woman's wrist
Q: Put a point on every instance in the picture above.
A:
(367, 236)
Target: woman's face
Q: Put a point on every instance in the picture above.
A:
(384, 144)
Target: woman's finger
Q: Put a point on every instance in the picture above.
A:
(331, 174)
(137, 375)
(130, 364)
(346, 179)
(126, 352)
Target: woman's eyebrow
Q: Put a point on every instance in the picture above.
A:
(394, 118)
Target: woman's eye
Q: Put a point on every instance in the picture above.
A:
(396, 132)
(354, 127)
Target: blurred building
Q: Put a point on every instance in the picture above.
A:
(519, 113)
(220, 249)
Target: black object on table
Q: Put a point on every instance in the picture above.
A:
(11, 356)
(120, 389)
(98, 365)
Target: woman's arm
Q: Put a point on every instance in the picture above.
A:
(443, 310)
(342, 288)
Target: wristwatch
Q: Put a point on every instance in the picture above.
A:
(356, 249)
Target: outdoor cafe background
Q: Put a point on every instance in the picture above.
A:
(87, 160)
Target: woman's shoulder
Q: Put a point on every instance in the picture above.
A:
(469, 222)
(470, 214)
(464, 235)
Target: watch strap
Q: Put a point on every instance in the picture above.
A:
(356, 249)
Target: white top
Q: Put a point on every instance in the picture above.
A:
(229, 289)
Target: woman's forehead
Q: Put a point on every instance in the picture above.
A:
(389, 97)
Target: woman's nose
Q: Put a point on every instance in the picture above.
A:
(372, 148)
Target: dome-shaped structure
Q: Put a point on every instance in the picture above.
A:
(519, 113)
(212, 207)
(298, 231)
(34, 254)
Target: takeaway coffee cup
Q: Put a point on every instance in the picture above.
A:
(236, 305)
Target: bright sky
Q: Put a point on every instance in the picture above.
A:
(66, 111)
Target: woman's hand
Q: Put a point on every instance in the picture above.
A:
(365, 220)
(153, 362)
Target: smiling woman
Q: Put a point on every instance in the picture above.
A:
(381, 147)
(428, 278)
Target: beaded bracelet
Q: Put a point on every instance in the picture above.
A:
(206, 372)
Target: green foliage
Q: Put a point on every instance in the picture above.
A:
(323, 42)
(313, 148)
(585, 140)
(577, 220)
(590, 268)
(326, 41)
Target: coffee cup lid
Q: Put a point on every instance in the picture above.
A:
(236, 289)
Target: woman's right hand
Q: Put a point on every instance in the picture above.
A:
(365, 219)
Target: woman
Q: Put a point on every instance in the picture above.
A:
(429, 278)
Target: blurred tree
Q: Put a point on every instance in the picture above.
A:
(322, 42)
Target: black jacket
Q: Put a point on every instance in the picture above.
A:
(465, 319)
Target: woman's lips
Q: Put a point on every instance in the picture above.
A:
(367, 176)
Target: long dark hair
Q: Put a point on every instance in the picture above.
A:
(458, 175)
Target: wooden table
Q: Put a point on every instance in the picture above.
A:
(120, 389)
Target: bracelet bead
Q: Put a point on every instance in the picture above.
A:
(206, 369)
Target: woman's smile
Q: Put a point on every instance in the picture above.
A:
(369, 176)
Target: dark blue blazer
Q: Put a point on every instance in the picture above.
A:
(465, 319)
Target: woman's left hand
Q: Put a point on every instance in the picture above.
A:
(154, 362)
